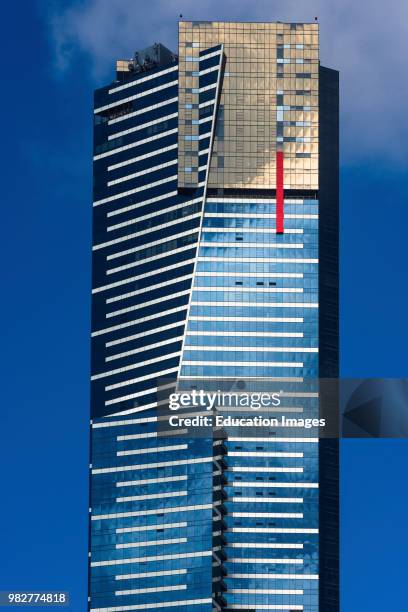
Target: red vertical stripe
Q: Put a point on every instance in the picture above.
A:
(279, 192)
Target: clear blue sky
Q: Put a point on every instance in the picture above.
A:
(54, 54)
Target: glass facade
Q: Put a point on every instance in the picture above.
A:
(215, 255)
(268, 102)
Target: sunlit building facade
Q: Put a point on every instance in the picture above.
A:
(215, 256)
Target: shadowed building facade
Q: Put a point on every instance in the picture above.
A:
(215, 256)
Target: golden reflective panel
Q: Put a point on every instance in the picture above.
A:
(263, 60)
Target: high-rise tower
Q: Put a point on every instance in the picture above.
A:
(215, 256)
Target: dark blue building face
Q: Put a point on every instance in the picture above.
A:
(215, 256)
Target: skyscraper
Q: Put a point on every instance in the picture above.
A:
(215, 256)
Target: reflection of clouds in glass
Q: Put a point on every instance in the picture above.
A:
(367, 42)
(262, 59)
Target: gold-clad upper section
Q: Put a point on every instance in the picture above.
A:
(269, 102)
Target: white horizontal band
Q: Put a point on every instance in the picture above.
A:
(186, 555)
(142, 305)
(263, 545)
(174, 572)
(150, 434)
(152, 376)
(156, 213)
(124, 296)
(272, 561)
(251, 349)
(258, 304)
(168, 604)
(241, 274)
(132, 367)
(149, 77)
(147, 450)
(284, 515)
(262, 454)
(133, 160)
(137, 321)
(141, 94)
(150, 243)
(277, 576)
(242, 260)
(174, 587)
(146, 347)
(268, 591)
(158, 495)
(244, 468)
(267, 500)
(271, 438)
(123, 422)
(123, 194)
(150, 527)
(151, 543)
(154, 272)
(251, 230)
(141, 126)
(159, 198)
(145, 334)
(208, 55)
(142, 111)
(130, 410)
(282, 607)
(145, 260)
(249, 319)
(252, 245)
(253, 200)
(279, 485)
(256, 215)
(147, 466)
(208, 87)
(241, 289)
(272, 530)
(136, 307)
(156, 511)
(245, 334)
(269, 364)
(138, 143)
(208, 70)
(124, 398)
(129, 177)
(147, 481)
